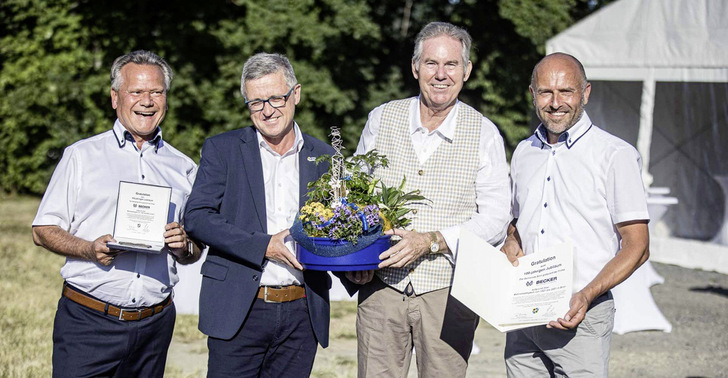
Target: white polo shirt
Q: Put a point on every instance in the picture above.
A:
(81, 199)
(577, 189)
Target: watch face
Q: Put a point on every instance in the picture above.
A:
(434, 247)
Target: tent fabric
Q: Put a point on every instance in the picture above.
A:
(659, 74)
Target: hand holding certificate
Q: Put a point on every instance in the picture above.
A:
(535, 292)
(141, 214)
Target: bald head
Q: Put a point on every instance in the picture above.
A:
(558, 61)
(560, 91)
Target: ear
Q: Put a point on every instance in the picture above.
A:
(114, 99)
(468, 69)
(414, 71)
(587, 91)
(297, 94)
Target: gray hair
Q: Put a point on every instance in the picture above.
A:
(436, 29)
(582, 72)
(262, 64)
(140, 57)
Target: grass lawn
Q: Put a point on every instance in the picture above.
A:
(30, 286)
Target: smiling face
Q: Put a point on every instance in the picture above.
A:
(274, 124)
(141, 101)
(441, 72)
(559, 94)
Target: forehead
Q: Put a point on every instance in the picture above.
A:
(273, 84)
(560, 73)
(142, 74)
(442, 47)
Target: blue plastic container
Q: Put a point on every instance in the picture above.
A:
(364, 259)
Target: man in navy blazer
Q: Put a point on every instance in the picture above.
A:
(262, 313)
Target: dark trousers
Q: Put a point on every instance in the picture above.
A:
(87, 343)
(276, 340)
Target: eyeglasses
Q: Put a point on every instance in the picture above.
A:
(274, 101)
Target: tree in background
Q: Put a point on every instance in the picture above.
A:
(349, 55)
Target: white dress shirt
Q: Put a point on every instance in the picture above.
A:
(577, 189)
(280, 177)
(81, 199)
(492, 194)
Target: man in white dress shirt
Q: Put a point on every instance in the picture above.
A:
(115, 316)
(455, 157)
(263, 313)
(574, 182)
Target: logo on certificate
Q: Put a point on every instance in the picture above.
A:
(535, 310)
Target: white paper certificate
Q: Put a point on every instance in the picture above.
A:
(535, 292)
(141, 214)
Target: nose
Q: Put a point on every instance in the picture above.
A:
(441, 74)
(146, 99)
(268, 109)
(555, 101)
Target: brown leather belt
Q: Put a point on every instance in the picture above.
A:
(280, 294)
(122, 314)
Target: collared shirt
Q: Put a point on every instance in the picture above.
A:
(577, 190)
(492, 194)
(81, 199)
(280, 177)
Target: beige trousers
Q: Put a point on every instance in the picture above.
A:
(389, 323)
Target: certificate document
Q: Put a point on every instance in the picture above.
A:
(141, 214)
(535, 292)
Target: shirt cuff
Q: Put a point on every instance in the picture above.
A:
(451, 236)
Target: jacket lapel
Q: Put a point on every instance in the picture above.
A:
(306, 170)
(253, 168)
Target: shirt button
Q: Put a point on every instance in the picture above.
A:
(141, 155)
(421, 172)
(414, 211)
(553, 152)
(143, 177)
(255, 277)
(546, 204)
(542, 231)
(133, 300)
(138, 275)
(548, 178)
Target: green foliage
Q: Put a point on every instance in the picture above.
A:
(322, 216)
(349, 56)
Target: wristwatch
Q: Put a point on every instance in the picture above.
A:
(434, 245)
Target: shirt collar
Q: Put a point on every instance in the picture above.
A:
(123, 135)
(446, 129)
(571, 136)
(297, 143)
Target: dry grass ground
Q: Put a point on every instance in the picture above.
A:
(695, 302)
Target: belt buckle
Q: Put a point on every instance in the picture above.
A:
(265, 295)
(122, 311)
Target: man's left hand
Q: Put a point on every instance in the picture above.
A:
(176, 239)
(578, 305)
(413, 245)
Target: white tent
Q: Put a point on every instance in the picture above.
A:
(659, 74)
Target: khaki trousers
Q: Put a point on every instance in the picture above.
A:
(550, 352)
(389, 323)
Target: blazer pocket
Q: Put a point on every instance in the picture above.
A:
(213, 270)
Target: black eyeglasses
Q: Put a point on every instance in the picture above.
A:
(274, 101)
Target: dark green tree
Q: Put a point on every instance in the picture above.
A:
(349, 56)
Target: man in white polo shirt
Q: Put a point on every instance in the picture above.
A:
(573, 181)
(115, 316)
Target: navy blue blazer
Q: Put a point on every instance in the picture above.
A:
(226, 211)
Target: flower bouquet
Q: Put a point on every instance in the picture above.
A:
(341, 225)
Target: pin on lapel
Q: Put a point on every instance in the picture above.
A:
(311, 158)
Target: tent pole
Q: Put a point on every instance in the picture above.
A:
(644, 136)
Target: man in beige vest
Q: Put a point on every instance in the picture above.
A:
(455, 157)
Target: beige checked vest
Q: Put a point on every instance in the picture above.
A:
(447, 179)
